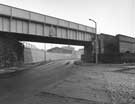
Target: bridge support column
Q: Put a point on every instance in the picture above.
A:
(88, 56)
(11, 52)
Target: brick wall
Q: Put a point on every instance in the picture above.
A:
(116, 49)
(108, 44)
(126, 44)
(11, 52)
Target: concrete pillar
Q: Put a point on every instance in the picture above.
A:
(88, 55)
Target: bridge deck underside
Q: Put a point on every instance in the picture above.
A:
(43, 39)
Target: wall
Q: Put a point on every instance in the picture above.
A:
(108, 44)
(108, 49)
(116, 49)
(11, 51)
(126, 44)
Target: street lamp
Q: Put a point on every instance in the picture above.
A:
(45, 59)
(96, 40)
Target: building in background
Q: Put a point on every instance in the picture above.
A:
(116, 49)
(60, 50)
(69, 48)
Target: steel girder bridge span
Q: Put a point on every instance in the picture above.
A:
(30, 26)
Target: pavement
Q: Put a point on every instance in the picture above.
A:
(14, 69)
(26, 66)
(59, 84)
(92, 83)
(23, 87)
(82, 84)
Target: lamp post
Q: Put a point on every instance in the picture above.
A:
(45, 52)
(96, 41)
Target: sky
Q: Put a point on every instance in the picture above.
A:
(112, 16)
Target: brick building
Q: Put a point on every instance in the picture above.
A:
(116, 49)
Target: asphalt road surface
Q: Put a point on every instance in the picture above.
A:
(17, 88)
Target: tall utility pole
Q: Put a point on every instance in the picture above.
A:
(45, 51)
(96, 41)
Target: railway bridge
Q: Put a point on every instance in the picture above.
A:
(24, 25)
